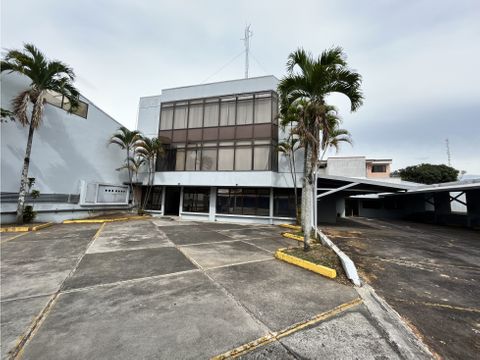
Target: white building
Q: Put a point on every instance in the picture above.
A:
(221, 161)
(73, 167)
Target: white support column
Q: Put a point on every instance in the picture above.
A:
(181, 202)
(271, 206)
(213, 204)
(164, 193)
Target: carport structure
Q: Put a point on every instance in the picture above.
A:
(437, 202)
(333, 190)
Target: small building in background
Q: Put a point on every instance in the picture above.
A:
(356, 166)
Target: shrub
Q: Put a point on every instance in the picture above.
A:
(28, 214)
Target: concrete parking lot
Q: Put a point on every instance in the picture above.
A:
(429, 274)
(174, 290)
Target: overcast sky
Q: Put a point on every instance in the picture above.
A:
(419, 59)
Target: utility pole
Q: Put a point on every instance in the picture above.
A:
(246, 42)
(449, 157)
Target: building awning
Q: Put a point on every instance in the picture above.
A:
(348, 186)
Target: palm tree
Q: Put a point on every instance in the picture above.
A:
(128, 141)
(308, 81)
(150, 149)
(288, 149)
(45, 76)
(337, 135)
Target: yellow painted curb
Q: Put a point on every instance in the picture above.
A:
(319, 269)
(291, 226)
(275, 336)
(295, 237)
(100, 221)
(25, 228)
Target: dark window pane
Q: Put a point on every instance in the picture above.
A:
(284, 202)
(196, 199)
(210, 133)
(379, 168)
(154, 201)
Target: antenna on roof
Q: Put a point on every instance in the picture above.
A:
(449, 157)
(246, 42)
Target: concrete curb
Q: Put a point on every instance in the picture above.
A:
(101, 221)
(316, 268)
(291, 226)
(25, 228)
(408, 344)
(347, 263)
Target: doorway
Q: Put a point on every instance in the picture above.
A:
(172, 201)
(351, 207)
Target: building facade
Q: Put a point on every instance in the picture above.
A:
(74, 169)
(356, 166)
(221, 161)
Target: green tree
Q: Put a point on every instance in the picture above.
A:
(45, 76)
(127, 140)
(307, 83)
(336, 135)
(150, 149)
(429, 173)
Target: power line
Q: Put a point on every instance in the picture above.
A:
(258, 63)
(224, 66)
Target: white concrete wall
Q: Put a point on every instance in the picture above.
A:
(66, 149)
(354, 166)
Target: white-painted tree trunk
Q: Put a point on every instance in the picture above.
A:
(307, 199)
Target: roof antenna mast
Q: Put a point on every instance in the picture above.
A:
(246, 42)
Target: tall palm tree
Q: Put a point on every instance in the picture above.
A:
(309, 80)
(288, 147)
(128, 141)
(150, 149)
(45, 76)
(337, 135)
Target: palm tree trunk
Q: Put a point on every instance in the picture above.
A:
(307, 199)
(23, 182)
(295, 190)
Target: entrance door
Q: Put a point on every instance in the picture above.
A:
(351, 207)
(172, 201)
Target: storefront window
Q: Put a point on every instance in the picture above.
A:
(196, 199)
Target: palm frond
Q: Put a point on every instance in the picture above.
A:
(20, 107)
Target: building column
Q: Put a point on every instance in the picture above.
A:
(271, 206)
(180, 202)
(164, 193)
(213, 204)
(473, 207)
(442, 206)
